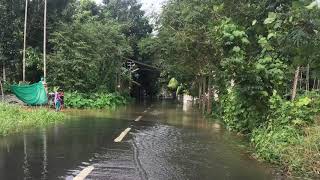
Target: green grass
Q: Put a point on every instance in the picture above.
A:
(304, 157)
(15, 119)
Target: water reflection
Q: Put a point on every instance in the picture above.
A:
(45, 155)
(170, 142)
(25, 162)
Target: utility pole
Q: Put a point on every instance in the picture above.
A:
(24, 43)
(45, 42)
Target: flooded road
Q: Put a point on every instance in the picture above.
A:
(168, 142)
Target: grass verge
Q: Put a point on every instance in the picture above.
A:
(14, 119)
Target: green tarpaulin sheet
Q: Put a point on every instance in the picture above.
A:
(34, 94)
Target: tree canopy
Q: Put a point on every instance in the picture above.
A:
(88, 44)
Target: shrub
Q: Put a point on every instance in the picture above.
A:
(238, 114)
(285, 138)
(97, 100)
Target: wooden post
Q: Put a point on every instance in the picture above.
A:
(45, 42)
(295, 83)
(24, 42)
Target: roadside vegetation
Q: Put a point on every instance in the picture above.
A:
(255, 66)
(14, 119)
(95, 101)
(89, 46)
(252, 64)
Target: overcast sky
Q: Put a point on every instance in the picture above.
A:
(149, 5)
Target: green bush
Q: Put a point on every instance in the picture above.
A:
(283, 140)
(173, 84)
(272, 143)
(97, 100)
(238, 114)
(15, 119)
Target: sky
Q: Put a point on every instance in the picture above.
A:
(149, 6)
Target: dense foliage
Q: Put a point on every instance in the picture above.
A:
(286, 137)
(244, 59)
(97, 100)
(247, 59)
(88, 46)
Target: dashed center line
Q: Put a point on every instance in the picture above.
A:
(84, 173)
(126, 131)
(122, 135)
(138, 119)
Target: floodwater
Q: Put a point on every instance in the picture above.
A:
(171, 141)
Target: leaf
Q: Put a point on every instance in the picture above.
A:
(238, 33)
(303, 101)
(236, 49)
(264, 93)
(271, 18)
(254, 22)
(270, 35)
(312, 5)
(245, 40)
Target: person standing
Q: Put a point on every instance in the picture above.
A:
(57, 101)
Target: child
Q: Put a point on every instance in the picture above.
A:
(57, 101)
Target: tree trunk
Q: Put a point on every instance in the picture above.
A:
(4, 76)
(308, 78)
(2, 94)
(209, 105)
(318, 85)
(204, 97)
(116, 83)
(314, 84)
(200, 91)
(295, 83)
(300, 80)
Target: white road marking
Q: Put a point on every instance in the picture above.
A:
(138, 119)
(84, 173)
(122, 135)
